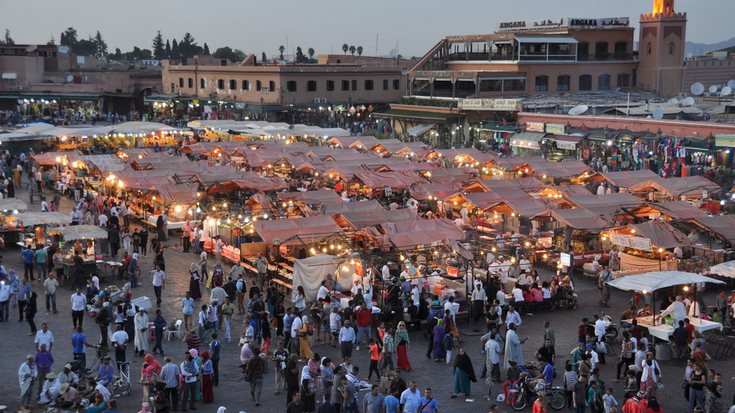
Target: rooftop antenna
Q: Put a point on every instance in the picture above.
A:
(731, 84)
(726, 91)
(376, 45)
(697, 89)
(658, 113)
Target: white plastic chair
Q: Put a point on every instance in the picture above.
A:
(176, 332)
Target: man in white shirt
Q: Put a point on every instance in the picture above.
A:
(44, 336)
(678, 253)
(78, 305)
(518, 295)
(600, 334)
(411, 398)
(295, 327)
(323, 291)
(512, 317)
(525, 264)
(452, 307)
(677, 310)
(385, 271)
(103, 220)
(159, 282)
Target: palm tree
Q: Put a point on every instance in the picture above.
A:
(352, 50)
(345, 47)
(359, 50)
(310, 52)
(281, 49)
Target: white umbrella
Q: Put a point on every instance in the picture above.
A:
(726, 269)
(652, 281)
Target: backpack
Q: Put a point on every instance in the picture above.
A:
(447, 342)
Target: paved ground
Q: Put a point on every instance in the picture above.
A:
(16, 344)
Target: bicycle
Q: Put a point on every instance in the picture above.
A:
(122, 380)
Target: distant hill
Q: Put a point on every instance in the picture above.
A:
(699, 49)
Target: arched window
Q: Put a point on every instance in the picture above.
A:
(649, 48)
(542, 83)
(245, 85)
(603, 82)
(563, 82)
(671, 48)
(623, 80)
(220, 84)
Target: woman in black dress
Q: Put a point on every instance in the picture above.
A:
(31, 309)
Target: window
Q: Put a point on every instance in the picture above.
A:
(649, 48)
(396, 84)
(621, 50)
(385, 84)
(563, 82)
(233, 84)
(220, 84)
(202, 83)
(603, 82)
(585, 82)
(291, 86)
(542, 83)
(345, 85)
(583, 51)
(354, 85)
(272, 86)
(368, 85)
(671, 48)
(311, 86)
(601, 50)
(258, 85)
(501, 84)
(181, 82)
(223, 62)
(623, 80)
(245, 85)
(191, 83)
(330, 85)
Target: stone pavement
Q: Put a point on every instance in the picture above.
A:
(233, 393)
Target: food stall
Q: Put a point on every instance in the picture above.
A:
(39, 220)
(11, 230)
(81, 234)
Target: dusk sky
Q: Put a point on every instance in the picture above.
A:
(262, 26)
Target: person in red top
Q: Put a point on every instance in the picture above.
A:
(633, 405)
(539, 406)
(364, 322)
(374, 356)
(690, 329)
(700, 356)
(527, 295)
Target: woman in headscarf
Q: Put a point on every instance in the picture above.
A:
(31, 310)
(305, 339)
(439, 353)
(207, 378)
(148, 380)
(327, 377)
(150, 360)
(222, 409)
(194, 280)
(401, 337)
(145, 408)
(314, 364)
(203, 273)
(308, 391)
(463, 374)
(99, 404)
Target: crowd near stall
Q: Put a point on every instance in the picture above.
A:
(350, 241)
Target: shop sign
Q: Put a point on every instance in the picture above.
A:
(524, 25)
(359, 269)
(525, 144)
(535, 127)
(639, 243)
(507, 104)
(490, 104)
(453, 272)
(555, 129)
(727, 141)
(566, 259)
(566, 145)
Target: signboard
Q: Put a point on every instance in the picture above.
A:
(535, 127)
(359, 269)
(555, 129)
(638, 243)
(446, 74)
(528, 25)
(453, 272)
(490, 104)
(566, 259)
(727, 141)
(565, 144)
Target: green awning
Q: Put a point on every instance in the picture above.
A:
(697, 146)
(597, 137)
(441, 117)
(496, 127)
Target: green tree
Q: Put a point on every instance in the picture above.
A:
(8, 39)
(175, 52)
(205, 52)
(167, 50)
(311, 53)
(352, 50)
(300, 58)
(158, 48)
(234, 56)
(188, 46)
(52, 41)
(117, 55)
(345, 47)
(359, 50)
(101, 46)
(85, 47)
(263, 58)
(281, 49)
(69, 38)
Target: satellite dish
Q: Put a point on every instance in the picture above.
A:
(726, 90)
(713, 89)
(731, 84)
(69, 79)
(578, 110)
(697, 89)
(673, 101)
(687, 101)
(658, 113)
(689, 55)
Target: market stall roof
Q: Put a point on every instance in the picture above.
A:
(327, 132)
(49, 158)
(463, 174)
(183, 193)
(295, 230)
(626, 179)
(76, 232)
(573, 190)
(482, 200)
(509, 164)
(142, 127)
(726, 269)
(253, 182)
(656, 280)
(461, 155)
(35, 128)
(346, 172)
(672, 209)
(605, 204)
(360, 220)
(146, 183)
(661, 234)
(676, 187)
(407, 235)
(438, 190)
(529, 184)
(559, 169)
(356, 142)
(43, 218)
(322, 196)
(401, 164)
(579, 218)
(351, 207)
(721, 224)
(522, 206)
(396, 180)
(397, 147)
(13, 204)
(21, 137)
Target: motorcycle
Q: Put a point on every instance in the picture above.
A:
(611, 329)
(529, 388)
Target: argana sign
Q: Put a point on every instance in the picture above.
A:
(565, 22)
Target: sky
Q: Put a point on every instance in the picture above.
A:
(410, 26)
